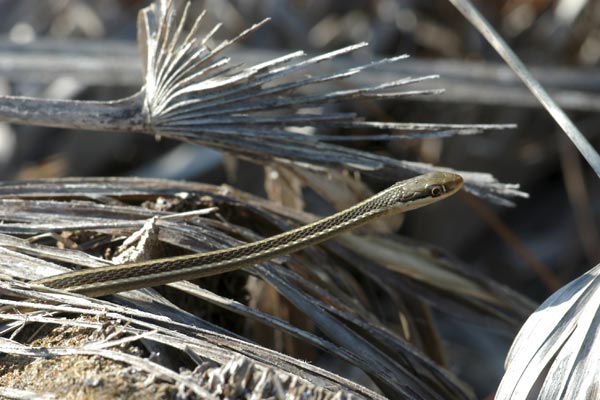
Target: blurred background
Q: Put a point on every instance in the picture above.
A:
(75, 49)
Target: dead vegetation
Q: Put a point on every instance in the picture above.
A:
(371, 314)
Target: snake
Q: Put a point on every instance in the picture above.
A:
(403, 196)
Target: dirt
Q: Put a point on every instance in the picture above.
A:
(79, 376)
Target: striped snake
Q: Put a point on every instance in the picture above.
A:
(401, 197)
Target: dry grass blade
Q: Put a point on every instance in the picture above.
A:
(561, 118)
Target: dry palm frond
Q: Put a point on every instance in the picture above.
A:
(193, 93)
(317, 282)
(555, 354)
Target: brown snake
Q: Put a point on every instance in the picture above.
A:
(403, 196)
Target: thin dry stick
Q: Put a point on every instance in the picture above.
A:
(548, 278)
(584, 147)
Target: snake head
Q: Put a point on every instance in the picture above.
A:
(421, 190)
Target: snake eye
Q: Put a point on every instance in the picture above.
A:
(435, 191)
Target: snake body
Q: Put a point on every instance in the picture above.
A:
(401, 197)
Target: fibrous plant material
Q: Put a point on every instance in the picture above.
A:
(322, 282)
(192, 93)
(555, 354)
(274, 113)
